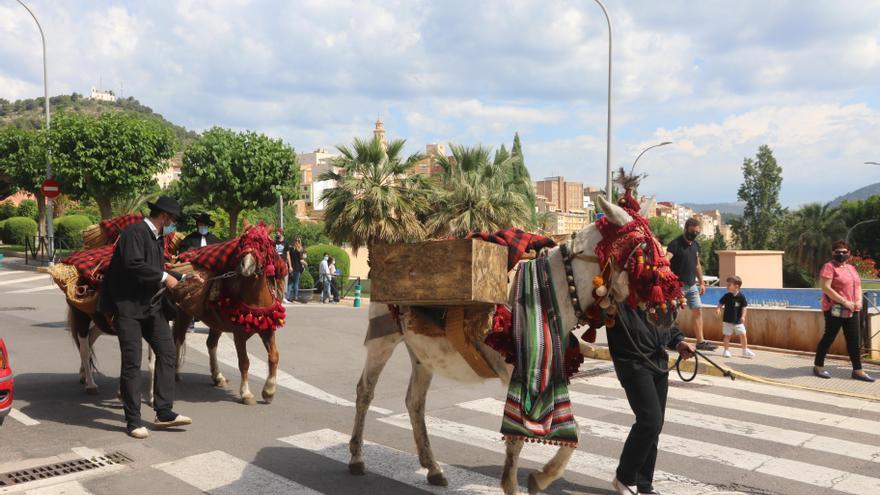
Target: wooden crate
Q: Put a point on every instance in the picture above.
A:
(439, 273)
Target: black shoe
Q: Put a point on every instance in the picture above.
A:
(822, 374)
(649, 492)
(863, 378)
(705, 346)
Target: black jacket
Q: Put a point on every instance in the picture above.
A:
(650, 337)
(194, 241)
(135, 274)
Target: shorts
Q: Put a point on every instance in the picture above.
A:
(733, 328)
(692, 294)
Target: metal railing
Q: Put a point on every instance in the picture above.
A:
(43, 249)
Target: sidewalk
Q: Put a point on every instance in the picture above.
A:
(776, 366)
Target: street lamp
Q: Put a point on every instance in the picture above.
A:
(608, 131)
(664, 143)
(872, 163)
(849, 232)
(49, 227)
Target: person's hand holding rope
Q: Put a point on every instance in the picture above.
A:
(686, 350)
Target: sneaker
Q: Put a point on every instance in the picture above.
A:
(172, 421)
(705, 346)
(622, 489)
(140, 433)
(285, 301)
(726, 353)
(748, 354)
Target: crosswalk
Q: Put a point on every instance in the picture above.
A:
(19, 281)
(721, 437)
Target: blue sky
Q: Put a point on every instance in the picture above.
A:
(718, 78)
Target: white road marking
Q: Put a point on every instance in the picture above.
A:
(32, 289)
(69, 488)
(763, 408)
(4, 273)
(260, 369)
(395, 464)
(727, 456)
(22, 418)
(218, 473)
(585, 463)
(748, 429)
(26, 279)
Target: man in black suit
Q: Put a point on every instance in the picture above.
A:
(131, 293)
(201, 237)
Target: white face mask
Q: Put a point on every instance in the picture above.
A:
(203, 230)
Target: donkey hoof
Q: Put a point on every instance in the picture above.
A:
(533, 485)
(82, 380)
(437, 479)
(357, 469)
(220, 382)
(177, 377)
(268, 397)
(92, 390)
(248, 401)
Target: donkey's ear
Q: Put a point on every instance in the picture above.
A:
(270, 228)
(615, 214)
(245, 224)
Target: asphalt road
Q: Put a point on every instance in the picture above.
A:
(720, 436)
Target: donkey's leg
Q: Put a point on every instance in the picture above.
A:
(509, 482)
(151, 365)
(378, 352)
(179, 329)
(244, 364)
(553, 470)
(213, 342)
(85, 357)
(419, 382)
(272, 351)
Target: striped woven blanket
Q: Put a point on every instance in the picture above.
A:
(538, 408)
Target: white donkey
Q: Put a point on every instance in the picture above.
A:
(430, 355)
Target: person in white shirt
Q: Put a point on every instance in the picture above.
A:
(324, 273)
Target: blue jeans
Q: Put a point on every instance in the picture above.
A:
(293, 286)
(692, 294)
(325, 286)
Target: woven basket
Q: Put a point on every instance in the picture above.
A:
(93, 236)
(192, 295)
(82, 297)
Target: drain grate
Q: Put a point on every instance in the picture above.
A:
(62, 468)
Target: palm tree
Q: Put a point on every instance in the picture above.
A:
(479, 193)
(376, 199)
(809, 233)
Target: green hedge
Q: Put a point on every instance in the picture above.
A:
(69, 229)
(306, 281)
(315, 253)
(28, 208)
(17, 229)
(7, 210)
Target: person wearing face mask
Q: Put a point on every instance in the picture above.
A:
(842, 304)
(684, 257)
(201, 237)
(131, 295)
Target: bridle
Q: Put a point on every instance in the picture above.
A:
(567, 257)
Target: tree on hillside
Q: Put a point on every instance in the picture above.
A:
(517, 146)
(235, 171)
(23, 163)
(665, 229)
(865, 238)
(109, 156)
(479, 193)
(376, 198)
(710, 262)
(809, 233)
(762, 181)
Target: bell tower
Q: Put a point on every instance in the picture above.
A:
(379, 132)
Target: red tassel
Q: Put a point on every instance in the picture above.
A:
(657, 295)
(590, 335)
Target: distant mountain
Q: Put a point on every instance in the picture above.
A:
(724, 208)
(863, 193)
(29, 113)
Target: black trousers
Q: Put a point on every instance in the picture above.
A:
(646, 393)
(155, 330)
(851, 329)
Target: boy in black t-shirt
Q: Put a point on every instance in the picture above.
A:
(734, 306)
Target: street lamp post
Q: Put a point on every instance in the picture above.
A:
(872, 163)
(608, 131)
(50, 234)
(664, 143)
(849, 232)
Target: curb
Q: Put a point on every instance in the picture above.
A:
(604, 354)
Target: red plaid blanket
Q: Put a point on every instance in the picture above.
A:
(517, 242)
(114, 226)
(224, 256)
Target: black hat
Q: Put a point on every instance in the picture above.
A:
(204, 218)
(167, 204)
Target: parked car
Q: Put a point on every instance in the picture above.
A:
(7, 384)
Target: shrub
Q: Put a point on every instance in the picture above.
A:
(7, 210)
(306, 281)
(315, 253)
(17, 229)
(69, 229)
(27, 208)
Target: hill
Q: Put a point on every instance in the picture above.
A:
(29, 113)
(859, 194)
(724, 208)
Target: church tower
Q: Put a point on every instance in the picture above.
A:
(379, 132)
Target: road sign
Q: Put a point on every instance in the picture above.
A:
(51, 188)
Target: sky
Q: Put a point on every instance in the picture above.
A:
(717, 78)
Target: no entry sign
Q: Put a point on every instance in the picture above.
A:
(51, 188)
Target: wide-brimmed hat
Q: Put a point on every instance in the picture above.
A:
(203, 218)
(167, 204)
